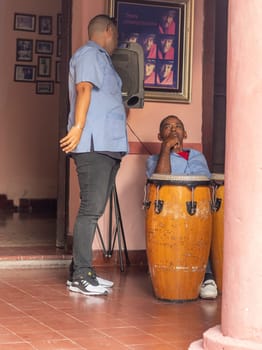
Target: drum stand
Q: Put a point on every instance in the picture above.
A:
(118, 231)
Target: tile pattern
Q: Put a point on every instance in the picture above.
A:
(38, 312)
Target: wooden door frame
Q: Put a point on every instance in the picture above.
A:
(208, 79)
(63, 162)
(214, 83)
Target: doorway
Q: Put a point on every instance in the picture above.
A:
(29, 214)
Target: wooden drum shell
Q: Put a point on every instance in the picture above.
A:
(178, 243)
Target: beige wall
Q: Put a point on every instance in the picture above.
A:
(29, 122)
(145, 122)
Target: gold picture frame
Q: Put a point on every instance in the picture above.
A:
(165, 31)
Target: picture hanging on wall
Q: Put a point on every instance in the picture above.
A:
(57, 71)
(44, 46)
(44, 66)
(58, 47)
(45, 25)
(24, 22)
(164, 29)
(45, 87)
(24, 49)
(59, 24)
(24, 73)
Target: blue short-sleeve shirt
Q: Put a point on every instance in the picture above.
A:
(105, 128)
(195, 165)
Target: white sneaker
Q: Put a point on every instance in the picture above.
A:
(101, 281)
(104, 283)
(208, 290)
(86, 288)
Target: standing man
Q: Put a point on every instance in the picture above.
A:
(96, 140)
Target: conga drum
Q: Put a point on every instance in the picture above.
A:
(178, 234)
(217, 242)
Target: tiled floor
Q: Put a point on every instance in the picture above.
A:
(38, 312)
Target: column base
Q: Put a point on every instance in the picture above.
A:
(213, 339)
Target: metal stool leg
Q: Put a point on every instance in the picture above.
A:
(120, 228)
(118, 232)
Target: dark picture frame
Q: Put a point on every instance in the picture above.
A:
(59, 24)
(44, 87)
(45, 25)
(24, 50)
(24, 22)
(24, 73)
(57, 71)
(165, 32)
(44, 66)
(59, 47)
(44, 46)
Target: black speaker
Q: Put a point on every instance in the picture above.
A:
(128, 61)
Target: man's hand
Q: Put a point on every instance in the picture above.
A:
(83, 96)
(71, 140)
(172, 143)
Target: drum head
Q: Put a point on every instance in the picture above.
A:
(218, 177)
(179, 179)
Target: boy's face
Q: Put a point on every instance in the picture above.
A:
(148, 43)
(165, 70)
(149, 68)
(166, 44)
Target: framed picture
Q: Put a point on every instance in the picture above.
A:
(59, 47)
(44, 46)
(45, 87)
(24, 22)
(24, 49)
(24, 73)
(45, 25)
(164, 29)
(57, 71)
(59, 24)
(44, 66)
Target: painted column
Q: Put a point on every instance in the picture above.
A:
(241, 321)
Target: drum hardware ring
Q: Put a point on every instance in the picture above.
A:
(146, 205)
(215, 202)
(158, 206)
(191, 207)
(158, 202)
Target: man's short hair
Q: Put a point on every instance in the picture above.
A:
(100, 23)
(170, 116)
